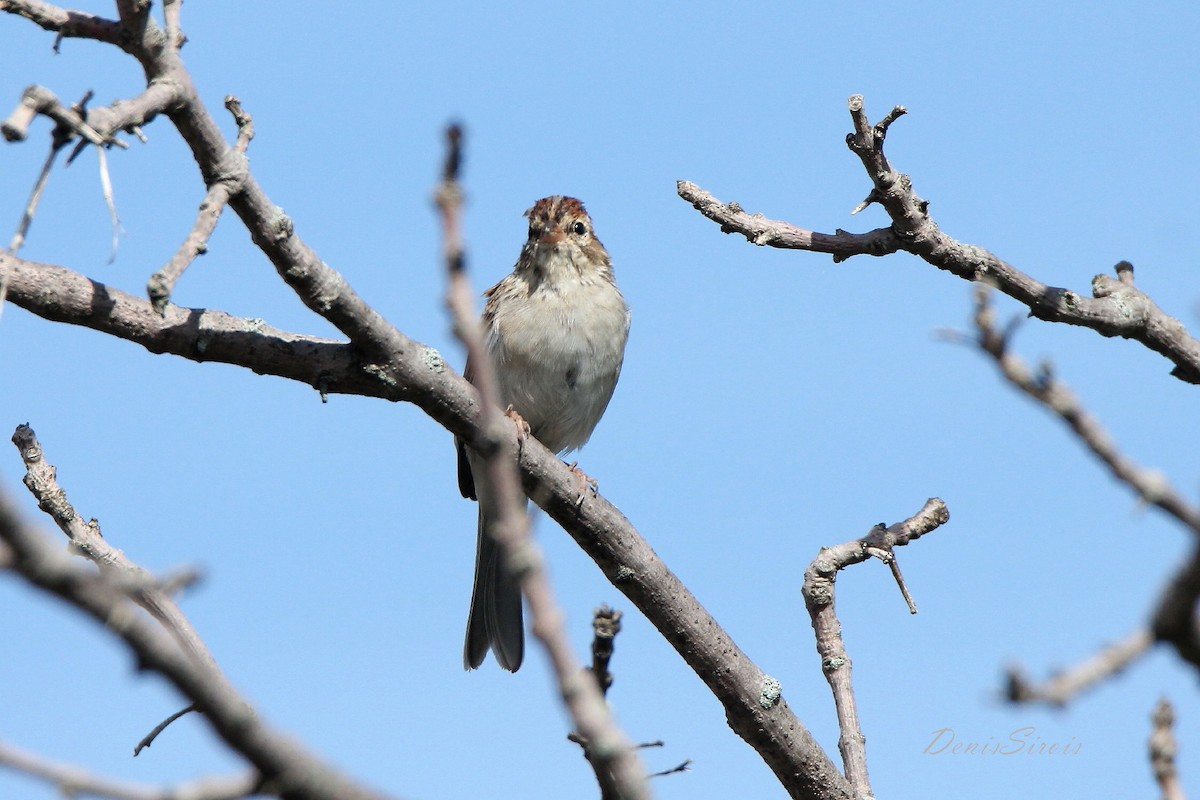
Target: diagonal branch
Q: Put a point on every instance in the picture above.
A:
(1152, 487)
(67, 24)
(1116, 307)
(72, 781)
(41, 480)
(286, 768)
(1175, 618)
(162, 282)
(1065, 685)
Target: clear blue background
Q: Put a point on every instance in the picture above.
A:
(772, 402)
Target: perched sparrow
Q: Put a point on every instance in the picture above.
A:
(556, 330)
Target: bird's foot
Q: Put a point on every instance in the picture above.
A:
(585, 482)
(519, 421)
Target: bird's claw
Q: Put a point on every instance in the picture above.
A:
(519, 421)
(585, 482)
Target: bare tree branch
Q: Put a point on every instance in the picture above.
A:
(754, 708)
(1175, 619)
(61, 295)
(40, 100)
(149, 738)
(287, 770)
(1116, 307)
(67, 24)
(773, 233)
(1062, 687)
(606, 624)
(134, 14)
(72, 781)
(162, 283)
(416, 373)
(1150, 486)
(41, 480)
(59, 140)
(1163, 750)
(835, 661)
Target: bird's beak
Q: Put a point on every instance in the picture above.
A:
(552, 234)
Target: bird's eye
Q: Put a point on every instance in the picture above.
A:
(579, 228)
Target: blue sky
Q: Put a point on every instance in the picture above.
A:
(772, 402)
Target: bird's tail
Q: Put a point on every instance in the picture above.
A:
(495, 620)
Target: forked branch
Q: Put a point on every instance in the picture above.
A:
(1115, 308)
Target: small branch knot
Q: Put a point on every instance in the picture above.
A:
(232, 170)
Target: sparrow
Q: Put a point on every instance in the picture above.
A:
(555, 330)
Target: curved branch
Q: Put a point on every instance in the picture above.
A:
(774, 233)
(818, 594)
(73, 781)
(201, 335)
(163, 281)
(1116, 307)
(67, 24)
(41, 480)
(287, 769)
(1066, 684)
(1043, 386)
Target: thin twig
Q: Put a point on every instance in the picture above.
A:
(1043, 386)
(612, 756)
(59, 138)
(149, 738)
(1064, 686)
(35, 197)
(225, 185)
(684, 766)
(14, 129)
(110, 203)
(1163, 750)
(606, 624)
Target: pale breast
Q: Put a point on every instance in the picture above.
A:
(558, 357)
